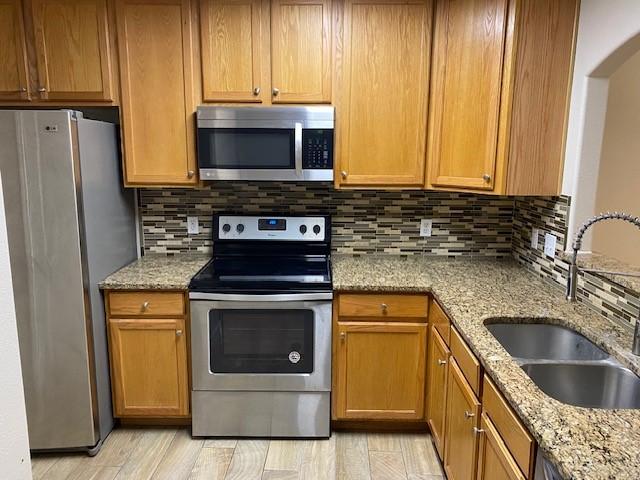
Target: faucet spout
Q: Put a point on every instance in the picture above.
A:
(572, 283)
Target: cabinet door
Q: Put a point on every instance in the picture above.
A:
(72, 49)
(13, 57)
(383, 87)
(381, 371)
(231, 38)
(494, 459)
(158, 100)
(462, 415)
(301, 51)
(469, 45)
(437, 368)
(149, 367)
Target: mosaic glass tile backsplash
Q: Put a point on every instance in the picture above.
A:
(364, 221)
(388, 222)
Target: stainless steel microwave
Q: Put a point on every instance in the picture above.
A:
(265, 143)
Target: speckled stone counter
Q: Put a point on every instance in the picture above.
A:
(583, 443)
(156, 272)
(605, 266)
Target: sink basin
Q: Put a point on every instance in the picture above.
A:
(587, 385)
(544, 342)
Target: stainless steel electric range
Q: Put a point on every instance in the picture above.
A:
(261, 329)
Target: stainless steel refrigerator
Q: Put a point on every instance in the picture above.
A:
(70, 224)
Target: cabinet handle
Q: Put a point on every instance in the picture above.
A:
(343, 336)
(190, 174)
(384, 307)
(145, 306)
(486, 177)
(275, 91)
(42, 89)
(442, 362)
(22, 90)
(178, 333)
(256, 91)
(469, 414)
(343, 174)
(478, 431)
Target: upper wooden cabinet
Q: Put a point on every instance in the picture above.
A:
(266, 52)
(382, 84)
(301, 51)
(499, 97)
(470, 39)
(72, 49)
(14, 84)
(156, 46)
(231, 39)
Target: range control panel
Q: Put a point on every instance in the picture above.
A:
(317, 149)
(241, 227)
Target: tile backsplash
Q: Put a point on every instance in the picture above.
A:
(376, 221)
(364, 221)
(550, 215)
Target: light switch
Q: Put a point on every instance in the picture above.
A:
(193, 227)
(550, 245)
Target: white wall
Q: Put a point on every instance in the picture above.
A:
(15, 462)
(608, 34)
(619, 174)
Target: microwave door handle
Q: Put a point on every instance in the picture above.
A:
(297, 149)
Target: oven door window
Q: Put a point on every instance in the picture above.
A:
(246, 148)
(261, 341)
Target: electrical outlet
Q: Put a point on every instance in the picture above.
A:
(193, 227)
(425, 227)
(550, 245)
(534, 238)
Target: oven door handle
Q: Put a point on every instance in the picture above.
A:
(297, 149)
(288, 297)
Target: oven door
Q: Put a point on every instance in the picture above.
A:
(261, 342)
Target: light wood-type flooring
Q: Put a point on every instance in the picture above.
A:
(171, 453)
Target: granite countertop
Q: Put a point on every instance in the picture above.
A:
(607, 266)
(583, 443)
(156, 272)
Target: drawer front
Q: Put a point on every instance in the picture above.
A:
(440, 321)
(515, 436)
(467, 361)
(385, 307)
(146, 303)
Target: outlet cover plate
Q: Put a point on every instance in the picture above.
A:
(426, 227)
(550, 245)
(193, 226)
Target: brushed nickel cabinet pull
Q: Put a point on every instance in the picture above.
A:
(145, 306)
(256, 91)
(469, 414)
(442, 362)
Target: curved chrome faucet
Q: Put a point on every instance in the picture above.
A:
(572, 284)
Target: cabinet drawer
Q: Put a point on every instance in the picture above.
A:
(146, 303)
(515, 436)
(384, 306)
(440, 321)
(467, 361)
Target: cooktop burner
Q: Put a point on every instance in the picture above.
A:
(255, 255)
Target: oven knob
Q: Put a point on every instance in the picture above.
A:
(316, 229)
(240, 228)
(303, 229)
(226, 227)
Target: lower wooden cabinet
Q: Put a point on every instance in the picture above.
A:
(495, 462)
(381, 371)
(149, 367)
(437, 370)
(461, 424)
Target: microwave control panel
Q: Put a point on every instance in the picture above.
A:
(317, 149)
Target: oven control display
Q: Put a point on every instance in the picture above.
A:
(272, 224)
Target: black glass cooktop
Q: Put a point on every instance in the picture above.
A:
(255, 274)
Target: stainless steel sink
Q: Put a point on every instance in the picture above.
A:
(541, 341)
(587, 385)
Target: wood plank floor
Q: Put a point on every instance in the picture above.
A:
(171, 453)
